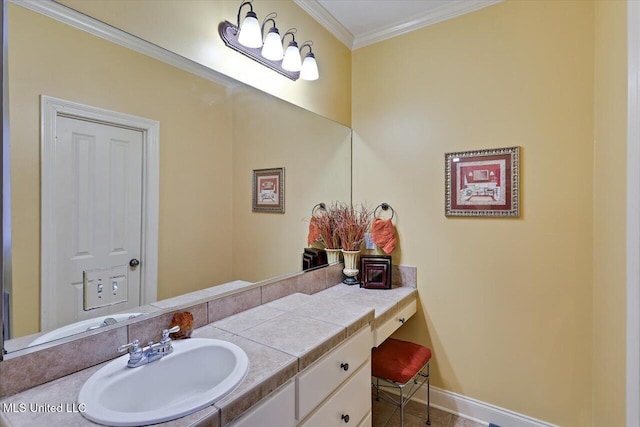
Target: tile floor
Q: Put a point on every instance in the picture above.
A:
(384, 414)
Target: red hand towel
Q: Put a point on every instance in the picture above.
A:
(314, 231)
(383, 234)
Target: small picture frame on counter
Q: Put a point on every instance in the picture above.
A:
(375, 271)
(313, 258)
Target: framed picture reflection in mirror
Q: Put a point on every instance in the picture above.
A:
(268, 190)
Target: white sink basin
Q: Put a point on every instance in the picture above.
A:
(78, 327)
(198, 373)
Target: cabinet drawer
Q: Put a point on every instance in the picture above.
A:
(385, 330)
(322, 378)
(348, 406)
(276, 411)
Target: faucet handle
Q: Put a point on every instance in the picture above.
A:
(132, 347)
(166, 332)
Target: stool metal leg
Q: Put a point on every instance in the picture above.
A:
(428, 395)
(401, 407)
(414, 384)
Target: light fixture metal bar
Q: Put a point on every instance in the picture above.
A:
(229, 33)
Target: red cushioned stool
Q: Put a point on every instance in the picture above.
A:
(398, 365)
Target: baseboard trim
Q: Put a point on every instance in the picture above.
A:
(476, 410)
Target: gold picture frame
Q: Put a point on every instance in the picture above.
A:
(483, 183)
(268, 190)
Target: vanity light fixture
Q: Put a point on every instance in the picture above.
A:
(309, 69)
(247, 39)
(249, 33)
(272, 48)
(291, 60)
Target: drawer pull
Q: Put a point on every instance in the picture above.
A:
(345, 418)
(345, 366)
(401, 320)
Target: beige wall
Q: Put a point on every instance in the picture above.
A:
(46, 57)
(506, 303)
(190, 28)
(316, 155)
(609, 294)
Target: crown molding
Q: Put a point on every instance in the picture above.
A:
(450, 10)
(97, 28)
(320, 14)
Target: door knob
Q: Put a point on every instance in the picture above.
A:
(134, 262)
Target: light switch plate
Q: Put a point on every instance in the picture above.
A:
(94, 289)
(368, 241)
(105, 286)
(118, 285)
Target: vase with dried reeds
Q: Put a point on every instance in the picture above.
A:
(352, 224)
(326, 222)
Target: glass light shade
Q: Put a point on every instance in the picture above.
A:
(309, 69)
(272, 48)
(292, 61)
(250, 33)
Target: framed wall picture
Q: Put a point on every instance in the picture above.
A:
(482, 183)
(375, 271)
(268, 190)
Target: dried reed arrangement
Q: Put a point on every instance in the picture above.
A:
(352, 224)
(327, 226)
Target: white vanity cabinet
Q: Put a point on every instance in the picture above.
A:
(367, 421)
(336, 390)
(276, 411)
(349, 405)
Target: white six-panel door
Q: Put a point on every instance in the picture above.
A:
(99, 204)
(98, 215)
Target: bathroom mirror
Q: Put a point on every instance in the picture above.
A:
(212, 134)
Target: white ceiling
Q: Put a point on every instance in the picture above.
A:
(359, 23)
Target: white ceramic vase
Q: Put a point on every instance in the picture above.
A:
(333, 256)
(350, 267)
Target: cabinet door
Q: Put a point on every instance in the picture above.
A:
(367, 421)
(349, 405)
(322, 378)
(276, 411)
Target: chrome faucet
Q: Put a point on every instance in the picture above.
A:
(141, 356)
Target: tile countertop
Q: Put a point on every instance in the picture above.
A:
(281, 338)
